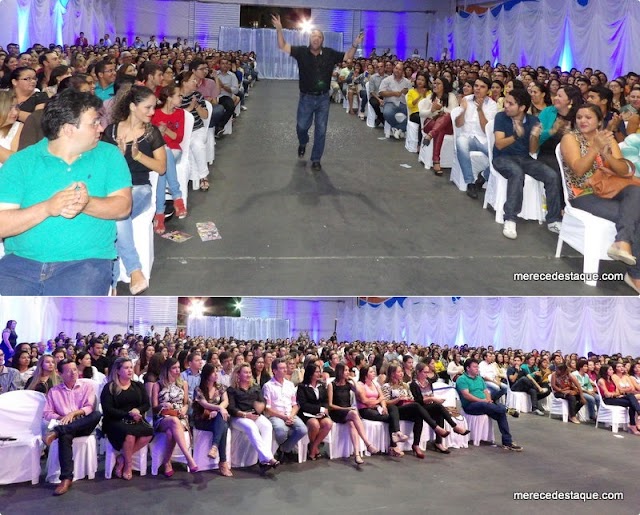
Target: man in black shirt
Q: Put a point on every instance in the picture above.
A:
(316, 65)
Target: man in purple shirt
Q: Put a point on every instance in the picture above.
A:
(71, 403)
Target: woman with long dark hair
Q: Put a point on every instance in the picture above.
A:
(612, 396)
(314, 403)
(437, 111)
(210, 414)
(143, 148)
(9, 339)
(342, 411)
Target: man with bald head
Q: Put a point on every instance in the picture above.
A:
(316, 65)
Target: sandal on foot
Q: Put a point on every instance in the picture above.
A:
(204, 185)
(119, 466)
(358, 459)
(213, 452)
(395, 452)
(372, 449)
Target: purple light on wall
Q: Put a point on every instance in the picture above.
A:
(401, 36)
(370, 24)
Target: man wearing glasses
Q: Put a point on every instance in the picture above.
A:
(208, 88)
(59, 200)
(106, 73)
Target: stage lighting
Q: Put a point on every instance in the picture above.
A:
(306, 26)
(238, 305)
(196, 309)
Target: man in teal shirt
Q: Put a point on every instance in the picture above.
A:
(476, 400)
(106, 73)
(59, 200)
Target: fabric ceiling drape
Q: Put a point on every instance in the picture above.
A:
(272, 63)
(576, 324)
(600, 34)
(239, 327)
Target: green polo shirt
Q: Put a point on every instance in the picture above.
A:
(33, 175)
(104, 93)
(475, 386)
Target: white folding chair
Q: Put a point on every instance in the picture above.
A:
(479, 161)
(201, 447)
(481, 427)
(533, 200)
(182, 166)
(371, 114)
(588, 234)
(143, 235)
(21, 418)
(139, 460)
(377, 433)
(211, 133)
(613, 416)
(413, 130)
(157, 451)
(85, 459)
(518, 400)
(242, 453)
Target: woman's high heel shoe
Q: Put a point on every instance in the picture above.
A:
(358, 459)
(395, 452)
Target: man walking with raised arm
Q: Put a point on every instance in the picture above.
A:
(316, 64)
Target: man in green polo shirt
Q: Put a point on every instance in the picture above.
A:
(59, 200)
(476, 400)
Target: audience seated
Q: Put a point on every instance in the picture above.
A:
(588, 388)
(522, 381)
(124, 404)
(170, 403)
(210, 414)
(612, 396)
(393, 90)
(10, 126)
(516, 136)
(72, 404)
(566, 386)
(586, 149)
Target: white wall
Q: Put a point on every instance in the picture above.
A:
(401, 26)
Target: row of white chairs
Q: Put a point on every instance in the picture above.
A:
(586, 233)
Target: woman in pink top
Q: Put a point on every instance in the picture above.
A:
(372, 406)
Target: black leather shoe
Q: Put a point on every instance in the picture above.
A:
(472, 191)
(480, 181)
(316, 166)
(301, 150)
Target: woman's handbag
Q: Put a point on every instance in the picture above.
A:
(607, 184)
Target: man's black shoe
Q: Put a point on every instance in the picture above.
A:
(301, 150)
(480, 181)
(472, 190)
(378, 123)
(219, 132)
(316, 166)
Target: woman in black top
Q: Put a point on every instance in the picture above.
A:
(313, 400)
(246, 404)
(23, 84)
(142, 145)
(44, 376)
(9, 339)
(259, 371)
(124, 404)
(423, 394)
(342, 411)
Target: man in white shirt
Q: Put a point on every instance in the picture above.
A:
(489, 372)
(228, 84)
(393, 90)
(477, 110)
(226, 361)
(282, 409)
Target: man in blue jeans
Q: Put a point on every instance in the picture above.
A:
(59, 200)
(517, 135)
(316, 66)
(281, 406)
(476, 400)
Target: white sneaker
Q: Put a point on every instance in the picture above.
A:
(395, 133)
(402, 134)
(509, 230)
(243, 108)
(555, 227)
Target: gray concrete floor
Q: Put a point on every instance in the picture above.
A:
(556, 456)
(363, 225)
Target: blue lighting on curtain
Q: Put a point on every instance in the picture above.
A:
(369, 24)
(566, 57)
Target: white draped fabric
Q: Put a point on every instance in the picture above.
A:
(47, 21)
(600, 34)
(239, 327)
(579, 324)
(272, 62)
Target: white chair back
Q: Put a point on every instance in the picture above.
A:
(21, 413)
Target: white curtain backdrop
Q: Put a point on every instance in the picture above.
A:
(577, 324)
(601, 34)
(272, 62)
(241, 328)
(55, 21)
